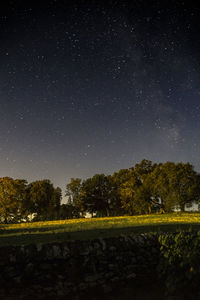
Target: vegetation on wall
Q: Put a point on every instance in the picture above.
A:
(179, 263)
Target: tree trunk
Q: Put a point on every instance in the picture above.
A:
(107, 212)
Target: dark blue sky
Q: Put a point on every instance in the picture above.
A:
(92, 87)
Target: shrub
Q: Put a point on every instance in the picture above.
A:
(180, 263)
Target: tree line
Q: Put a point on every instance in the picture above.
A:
(143, 189)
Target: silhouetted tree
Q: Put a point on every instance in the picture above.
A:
(12, 196)
(43, 199)
(117, 180)
(73, 191)
(127, 193)
(68, 211)
(175, 185)
(96, 195)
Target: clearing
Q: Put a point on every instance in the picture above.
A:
(78, 229)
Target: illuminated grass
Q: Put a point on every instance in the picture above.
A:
(50, 231)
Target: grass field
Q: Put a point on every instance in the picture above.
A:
(62, 230)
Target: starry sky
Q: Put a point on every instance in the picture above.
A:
(92, 87)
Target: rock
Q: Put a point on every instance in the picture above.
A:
(92, 284)
(82, 286)
(92, 278)
(96, 245)
(131, 276)
(11, 272)
(45, 266)
(65, 251)
(12, 258)
(106, 288)
(109, 275)
(133, 260)
(48, 289)
(112, 248)
(29, 267)
(102, 243)
(49, 253)
(115, 279)
(111, 266)
(154, 250)
(39, 247)
(56, 251)
(17, 279)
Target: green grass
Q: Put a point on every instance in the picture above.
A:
(76, 229)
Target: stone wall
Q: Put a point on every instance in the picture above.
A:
(76, 268)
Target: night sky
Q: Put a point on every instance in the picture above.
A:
(92, 87)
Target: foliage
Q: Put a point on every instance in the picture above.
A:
(180, 261)
(12, 197)
(73, 191)
(143, 169)
(96, 195)
(127, 193)
(43, 199)
(117, 180)
(136, 192)
(68, 211)
(142, 189)
(175, 185)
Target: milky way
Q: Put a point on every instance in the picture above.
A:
(91, 88)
